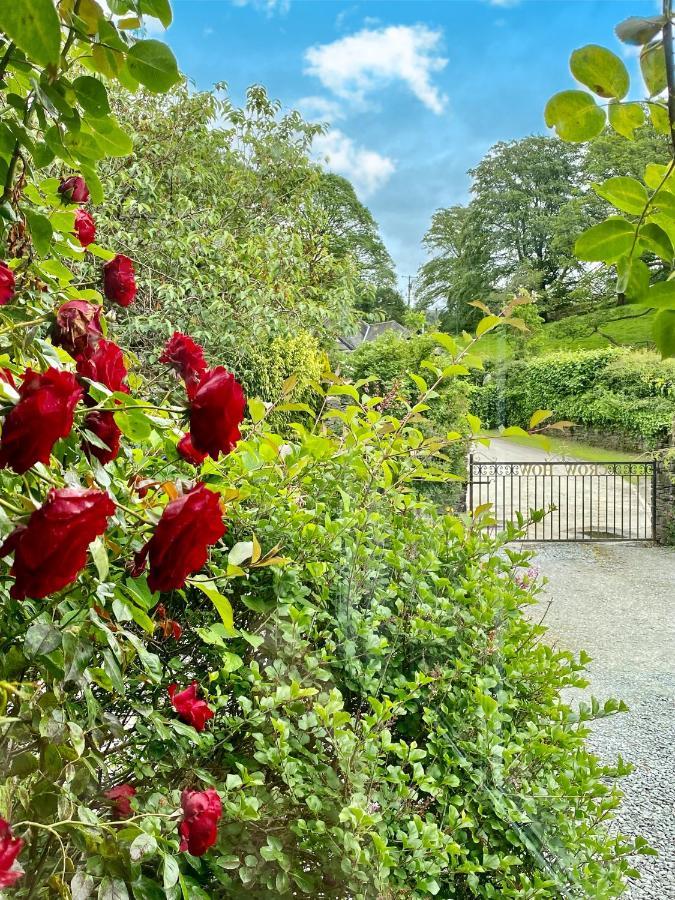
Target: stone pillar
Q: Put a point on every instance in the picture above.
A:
(664, 506)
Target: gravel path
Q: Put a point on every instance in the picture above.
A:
(617, 602)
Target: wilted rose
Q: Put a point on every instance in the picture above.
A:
(7, 284)
(10, 847)
(202, 811)
(51, 548)
(85, 227)
(77, 327)
(74, 189)
(43, 414)
(186, 357)
(217, 406)
(119, 283)
(189, 707)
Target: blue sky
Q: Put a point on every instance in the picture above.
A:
(415, 92)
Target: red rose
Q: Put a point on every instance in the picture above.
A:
(201, 813)
(119, 283)
(85, 227)
(187, 450)
(74, 189)
(51, 548)
(216, 411)
(43, 414)
(10, 847)
(190, 709)
(188, 526)
(77, 327)
(121, 799)
(104, 364)
(7, 377)
(186, 357)
(6, 284)
(102, 423)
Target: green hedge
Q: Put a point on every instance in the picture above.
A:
(623, 392)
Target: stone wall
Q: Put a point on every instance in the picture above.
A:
(665, 498)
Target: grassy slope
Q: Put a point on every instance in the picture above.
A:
(575, 333)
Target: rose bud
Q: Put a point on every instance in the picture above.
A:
(119, 283)
(105, 365)
(186, 449)
(201, 812)
(10, 847)
(191, 710)
(85, 228)
(216, 411)
(179, 546)
(102, 423)
(77, 327)
(43, 414)
(74, 189)
(186, 357)
(51, 549)
(121, 799)
(6, 284)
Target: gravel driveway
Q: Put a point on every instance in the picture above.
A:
(617, 602)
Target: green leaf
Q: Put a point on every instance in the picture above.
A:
(41, 231)
(659, 116)
(487, 323)
(600, 70)
(153, 64)
(240, 552)
(575, 116)
(41, 639)
(34, 27)
(257, 409)
(664, 332)
(143, 845)
(91, 95)
(160, 9)
(231, 662)
(653, 66)
(655, 173)
(170, 872)
(539, 416)
(100, 556)
(633, 278)
(605, 242)
(112, 889)
(134, 424)
(654, 238)
(627, 194)
(112, 139)
(637, 30)
(82, 886)
(625, 118)
(222, 604)
(660, 296)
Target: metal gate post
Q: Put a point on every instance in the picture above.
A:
(654, 487)
(471, 483)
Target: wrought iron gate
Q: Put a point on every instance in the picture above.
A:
(611, 501)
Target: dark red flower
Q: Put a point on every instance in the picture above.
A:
(43, 414)
(51, 548)
(179, 546)
(216, 411)
(7, 376)
(102, 423)
(104, 364)
(6, 284)
(119, 283)
(77, 327)
(190, 709)
(186, 357)
(121, 799)
(202, 811)
(10, 847)
(74, 189)
(85, 227)
(186, 449)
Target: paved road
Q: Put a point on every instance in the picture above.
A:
(590, 500)
(617, 602)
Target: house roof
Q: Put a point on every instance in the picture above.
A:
(370, 331)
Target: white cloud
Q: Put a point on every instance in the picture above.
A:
(267, 6)
(320, 109)
(367, 170)
(353, 66)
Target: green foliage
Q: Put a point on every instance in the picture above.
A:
(616, 391)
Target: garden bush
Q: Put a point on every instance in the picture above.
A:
(623, 392)
(237, 661)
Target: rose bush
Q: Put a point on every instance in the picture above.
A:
(323, 686)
